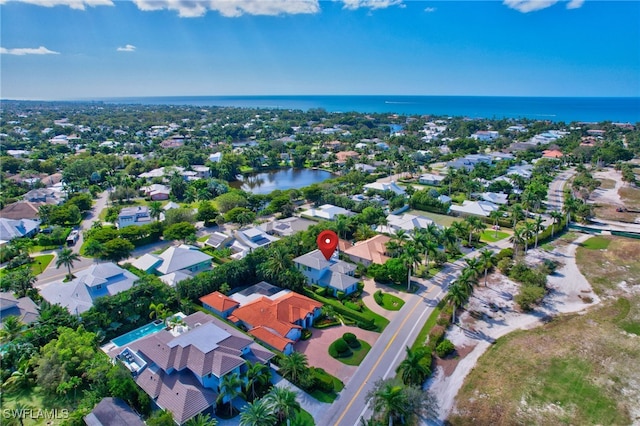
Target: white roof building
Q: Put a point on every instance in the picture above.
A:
(495, 197)
(475, 208)
(78, 295)
(386, 186)
(327, 211)
(407, 222)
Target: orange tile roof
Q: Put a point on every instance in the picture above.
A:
(278, 315)
(551, 153)
(271, 338)
(219, 301)
(372, 249)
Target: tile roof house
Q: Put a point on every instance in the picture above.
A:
(20, 210)
(219, 304)
(181, 369)
(386, 186)
(23, 308)
(286, 227)
(334, 274)
(11, 228)
(156, 191)
(137, 216)
(113, 412)
(551, 153)
(327, 212)
(100, 280)
(474, 208)
(175, 264)
(274, 316)
(369, 251)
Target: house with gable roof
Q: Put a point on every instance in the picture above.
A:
(474, 208)
(23, 308)
(182, 369)
(175, 264)
(100, 280)
(334, 274)
(373, 250)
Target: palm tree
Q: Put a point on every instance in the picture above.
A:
(557, 217)
(157, 310)
(529, 228)
(516, 213)
(229, 388)
(155, 209)
(457, 296)
(67, 258)
(21, 280)
(20, 379)
(389, 401)
(537, 228)
(449, 237)
(495, 215)
(342, 225)
(466, 280)
(459, 229)
(202, 420)
(486, 262)
(571, 206)
(411, 258)
(277, 263)
(293, 366)
(12, 328)
(413, 369)
(283, 403)
(257, 413)
(474, 224)
(473, 266)
(517, 239)
(257, 373)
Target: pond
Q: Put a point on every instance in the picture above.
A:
(264, 183)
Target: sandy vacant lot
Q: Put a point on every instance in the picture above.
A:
(491, 313)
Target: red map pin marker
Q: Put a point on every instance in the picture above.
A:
(327, 243)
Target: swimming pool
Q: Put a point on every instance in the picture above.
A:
(138, 333)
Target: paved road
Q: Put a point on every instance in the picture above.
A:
(555, 196)
(52, 273)
(389, 349)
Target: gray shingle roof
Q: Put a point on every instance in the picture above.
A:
(177, 258)
(113, 412)
(314, 259)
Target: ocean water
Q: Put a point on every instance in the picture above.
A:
(536, 108)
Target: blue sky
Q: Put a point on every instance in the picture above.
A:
(78, 49)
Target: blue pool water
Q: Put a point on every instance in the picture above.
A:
(138, 333)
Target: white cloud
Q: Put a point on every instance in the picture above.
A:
(430, 9)
(575, 4)
(526, 6)
(28, 51)
(73, 4)
(127, 48)
(231, 8)
(371, 4)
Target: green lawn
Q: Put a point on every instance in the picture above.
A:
(301, 418)
(203, 238)
(40, 263)
(440, 219)
(424, 332)
(324, 396)
(35, 399)
(489, 236)
(357, 355)
(391, 302)
(596, 243)
(36, 268)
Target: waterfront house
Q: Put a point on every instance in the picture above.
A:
(327, 212)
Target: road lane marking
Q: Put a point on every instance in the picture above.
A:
(366, 379)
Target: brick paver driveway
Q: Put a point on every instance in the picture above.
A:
(317, 349)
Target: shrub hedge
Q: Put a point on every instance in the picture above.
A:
(444, 348)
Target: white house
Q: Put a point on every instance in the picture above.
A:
(406, 222)
(327, 212)
(175, 263)
(495, 197)
(486, 135)
(78, 295)
(474, 208)
(334, 274)
(386, 186)
(431, 179)
(137, 216)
